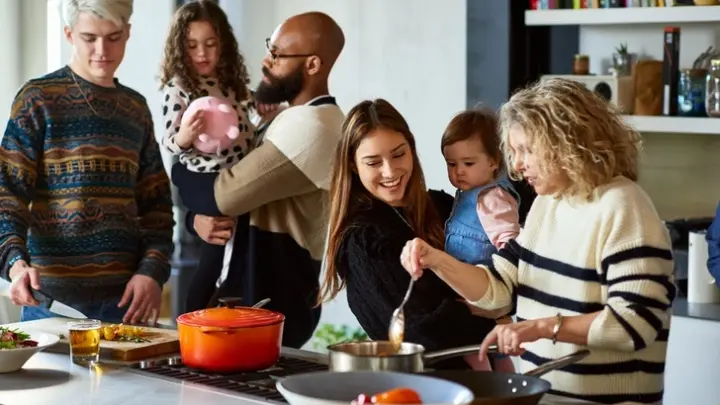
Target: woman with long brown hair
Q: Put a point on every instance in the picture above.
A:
(378, 199)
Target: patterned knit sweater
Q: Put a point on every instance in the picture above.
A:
(84, 196)
(611, 256)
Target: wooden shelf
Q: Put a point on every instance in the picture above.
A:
(624, 16)
(676, 125)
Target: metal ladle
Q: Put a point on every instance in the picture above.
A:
(396, 331)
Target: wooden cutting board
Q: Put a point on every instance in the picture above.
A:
(162, 341)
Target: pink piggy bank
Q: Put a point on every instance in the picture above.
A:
(221, 124)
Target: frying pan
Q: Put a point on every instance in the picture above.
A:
(498, 388)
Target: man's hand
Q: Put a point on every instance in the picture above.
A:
(23, 277)
(214, 230)
(145, 294)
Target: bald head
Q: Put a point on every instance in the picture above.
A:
(316, 33)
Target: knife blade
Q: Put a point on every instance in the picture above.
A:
(55, 306)
(46, 302)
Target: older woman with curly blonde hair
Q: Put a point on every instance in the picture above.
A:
(592, 268)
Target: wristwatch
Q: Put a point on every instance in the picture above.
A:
(13, 260)
(557, 326)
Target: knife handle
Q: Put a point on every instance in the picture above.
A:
(44, 299)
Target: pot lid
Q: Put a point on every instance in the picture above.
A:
(242, 317)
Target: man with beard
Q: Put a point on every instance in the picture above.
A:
(278, 192)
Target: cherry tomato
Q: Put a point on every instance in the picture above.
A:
(363, 399)
(397, 396)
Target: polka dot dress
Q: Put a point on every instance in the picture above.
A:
(175, 102)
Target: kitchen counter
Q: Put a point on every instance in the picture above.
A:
(708, 312)
(53, 378)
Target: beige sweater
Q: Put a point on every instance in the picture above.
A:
(610, 255)
(284, 182)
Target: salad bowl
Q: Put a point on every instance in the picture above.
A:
(18, 346)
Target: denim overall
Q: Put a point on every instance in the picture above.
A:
(465, 238)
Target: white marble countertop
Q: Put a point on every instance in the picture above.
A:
(53, 378)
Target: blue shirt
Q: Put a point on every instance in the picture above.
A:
(465, 237)
(713, 240)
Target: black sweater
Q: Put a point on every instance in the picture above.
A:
(369, 259)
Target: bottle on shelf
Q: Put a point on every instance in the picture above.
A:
(712, 89)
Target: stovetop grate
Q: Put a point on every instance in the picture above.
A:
(259, 383)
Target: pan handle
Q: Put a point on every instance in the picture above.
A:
(435, 356)
(553, 365)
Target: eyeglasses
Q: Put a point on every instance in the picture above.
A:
(275, 56)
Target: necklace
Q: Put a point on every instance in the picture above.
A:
(403, 218)
(117, 101)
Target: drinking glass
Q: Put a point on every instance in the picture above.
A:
(85, 341)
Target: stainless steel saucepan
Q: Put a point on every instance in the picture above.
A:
(380, 356)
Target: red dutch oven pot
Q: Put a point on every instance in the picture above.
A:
(230, 339)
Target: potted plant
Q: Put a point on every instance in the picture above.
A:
(622, 60)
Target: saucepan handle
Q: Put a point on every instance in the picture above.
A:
(435, 356)
(553, 365)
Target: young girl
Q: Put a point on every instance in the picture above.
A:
(485, 213)
(202, 59)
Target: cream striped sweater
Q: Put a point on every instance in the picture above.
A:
(610, 255)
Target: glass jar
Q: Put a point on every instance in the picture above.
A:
(712, 89)
(581, 65)
(691, 93)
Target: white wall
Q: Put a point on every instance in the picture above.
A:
(10, 79)
(417, 62)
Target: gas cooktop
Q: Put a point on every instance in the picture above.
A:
(259, 384)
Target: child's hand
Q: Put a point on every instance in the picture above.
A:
(190, 130)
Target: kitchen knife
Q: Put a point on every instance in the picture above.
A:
(56, 307)
(46, 301)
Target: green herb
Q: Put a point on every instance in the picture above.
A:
(134, 339)
(20, 334)
(19, 337)
(328, 334)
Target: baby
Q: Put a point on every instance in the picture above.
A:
(485, 213)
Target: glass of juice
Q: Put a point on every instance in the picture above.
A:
(84, 341)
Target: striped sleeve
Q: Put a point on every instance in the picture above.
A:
(154, 208)
(20, 149)
(637, 269)
(502, 278)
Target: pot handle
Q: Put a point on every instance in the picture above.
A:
(553, 365)
(435, 356)
(215, 329)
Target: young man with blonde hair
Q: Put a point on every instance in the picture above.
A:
(85, 206)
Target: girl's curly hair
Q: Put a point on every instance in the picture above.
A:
(231, 69)
(574, 131)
